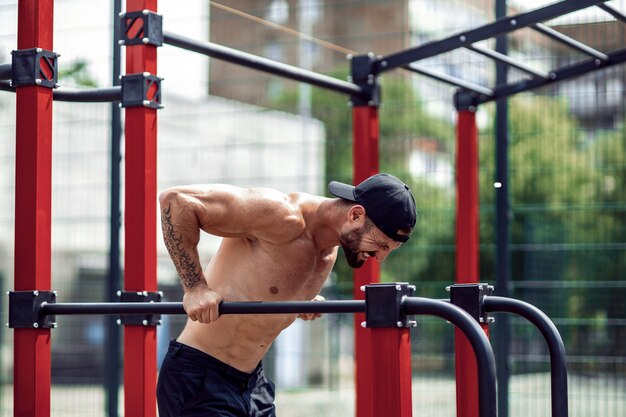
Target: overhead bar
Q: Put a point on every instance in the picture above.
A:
(505, 59)
(560, 74)
(450, 79)
(503, 25)
(612, 11)
(261, 64)
(566, 40)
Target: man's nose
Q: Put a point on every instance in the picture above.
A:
(381, 255)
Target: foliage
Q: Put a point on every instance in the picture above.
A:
(77, 73)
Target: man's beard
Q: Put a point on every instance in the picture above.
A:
(350, 242)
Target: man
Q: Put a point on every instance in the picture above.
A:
(275, 247)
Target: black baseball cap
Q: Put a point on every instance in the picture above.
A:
(388, 202)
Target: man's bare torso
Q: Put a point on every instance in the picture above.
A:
(250, 269)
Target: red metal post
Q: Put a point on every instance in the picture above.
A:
(365, 131)
(392, 372)
(140, 222)
(33, 173)
(467, 270)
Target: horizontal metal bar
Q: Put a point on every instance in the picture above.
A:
(475, 335)
(505, 59)
(6, 71)
(262, 64)
(558, 364)
(6, 86)
(449, 79)
(613, 12)
(254, 307)
(87, 95)
(561, 74)
(503, 25)
(572, 43)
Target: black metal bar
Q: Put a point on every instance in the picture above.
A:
(253, 307)
(262, 64)
(505, 59)
(479, 89)
(6, 71)
(501, 328)
(79, 95)
(90, 95)
(503, 25)
(558, 364)
(613, 12)
(566, 40)
(6, 86)
(113, 353)
(484, 355)
(560, 74)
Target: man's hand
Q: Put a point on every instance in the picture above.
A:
(312, 316)
(202, 304)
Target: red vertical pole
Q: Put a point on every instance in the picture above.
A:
(140, 222)
(392, 372)
(467, 270)
(365, 131)
(33, 173)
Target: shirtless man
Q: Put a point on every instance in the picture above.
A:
(275, 247)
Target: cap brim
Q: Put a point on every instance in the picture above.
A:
(341, 190)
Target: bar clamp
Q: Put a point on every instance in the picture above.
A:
(142, 27)
(383, 305)
(470, 297)
(34, 66)
(25, 309)
(362, 70)
(140, 297)
(143, 89)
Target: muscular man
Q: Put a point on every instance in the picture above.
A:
(275, 247)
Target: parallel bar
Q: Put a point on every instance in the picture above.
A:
(560, 74)
(6, 71)
(505, 59)
(572, 43)
(254, 307)
(506, 24)
(477, 338)
(262, 64)
(613, 12)
(450, 79)
(558, 364)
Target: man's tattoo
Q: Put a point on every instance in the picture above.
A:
(188, 270)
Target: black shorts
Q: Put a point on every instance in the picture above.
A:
(192, 383)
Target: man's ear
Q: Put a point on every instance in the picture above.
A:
(356, 214)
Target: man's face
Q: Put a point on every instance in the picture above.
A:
(366, 242)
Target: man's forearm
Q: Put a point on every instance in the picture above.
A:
(184, 257)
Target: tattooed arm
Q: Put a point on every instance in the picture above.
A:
(181, 234)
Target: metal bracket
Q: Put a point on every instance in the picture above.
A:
(383, 305)
(470, 297)
(34, 66)
(140, 297)
(362, 70)
(141, 28)
(141, 90)
(466, 100)
(25, 309)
